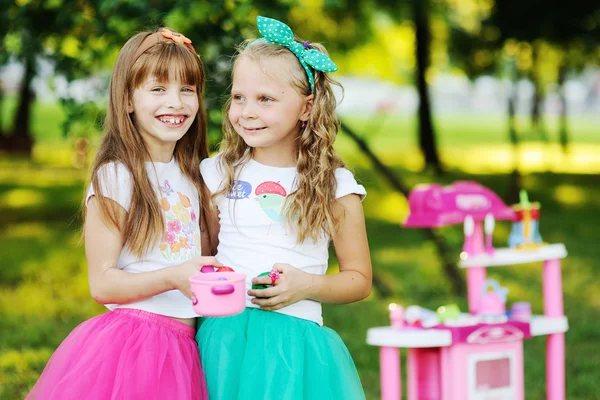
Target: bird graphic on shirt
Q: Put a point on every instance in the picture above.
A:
(270, 197)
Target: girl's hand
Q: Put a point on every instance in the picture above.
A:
(182, 272)
(292, 286)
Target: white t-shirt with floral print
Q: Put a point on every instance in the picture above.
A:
(179, 202)
(254, 234)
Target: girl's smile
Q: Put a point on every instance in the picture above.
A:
(250, 131)
(173, 120)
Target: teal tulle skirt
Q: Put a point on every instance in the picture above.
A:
(267, 355)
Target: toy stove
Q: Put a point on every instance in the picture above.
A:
(476, 355)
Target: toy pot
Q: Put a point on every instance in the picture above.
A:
(492, 302)
(218, 294)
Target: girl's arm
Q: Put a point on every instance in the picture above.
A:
(354, 280)
(352, 283)
(109, 284)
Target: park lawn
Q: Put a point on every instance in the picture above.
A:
(44, 292)
(43, 282)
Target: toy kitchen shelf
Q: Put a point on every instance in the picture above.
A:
(508, 256)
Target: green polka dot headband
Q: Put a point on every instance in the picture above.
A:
(277, 32)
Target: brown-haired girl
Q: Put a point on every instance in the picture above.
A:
(146, 220)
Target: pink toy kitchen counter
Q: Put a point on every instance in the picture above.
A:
(479, 360)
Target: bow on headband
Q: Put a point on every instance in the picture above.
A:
(277, 32)
(164, 35)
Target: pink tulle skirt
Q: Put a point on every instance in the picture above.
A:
(124, 354)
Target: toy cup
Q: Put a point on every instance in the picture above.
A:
(521, 311)
(448, 312)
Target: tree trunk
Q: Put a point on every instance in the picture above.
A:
(537, 122)
(512, 125)
(21, 140)
(2, 137)
(515, 177)
(443, 249)
(427, 141)
(564, 129)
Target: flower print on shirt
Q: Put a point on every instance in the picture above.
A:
(169, 238)
(164, 204)
(181, 240)
(174, 226)
(188, 231)
(185, 201)
(181, 213)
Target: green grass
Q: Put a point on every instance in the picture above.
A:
(43, 281)
(43, 294)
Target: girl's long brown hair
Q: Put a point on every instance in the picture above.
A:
(312, 206)
(122, 143)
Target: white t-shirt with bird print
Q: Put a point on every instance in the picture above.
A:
(255, 235)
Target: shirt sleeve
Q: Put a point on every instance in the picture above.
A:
(115, 184)
(346, 184)
(211, 173)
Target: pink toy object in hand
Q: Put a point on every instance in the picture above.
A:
(211, 268)
(218, 294)
(207, 269)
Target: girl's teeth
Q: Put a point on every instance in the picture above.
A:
(171, 120)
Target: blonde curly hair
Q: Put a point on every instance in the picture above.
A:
(311, 207)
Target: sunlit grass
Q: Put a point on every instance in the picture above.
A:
(28, 230)
(41, 177)
(489, 158)
(470, 128)
(501, 158)
(391, 207)
(574, 196)
(22, 198)
(18, 369)
(54, 153)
